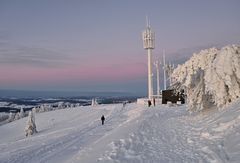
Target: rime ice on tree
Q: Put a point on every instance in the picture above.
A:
(17, 116)
(30, 129)
(211, 77)
(94, 102)
(11, 117)
(21, 114)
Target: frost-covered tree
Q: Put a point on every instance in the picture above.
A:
(38, 109)
(211, 77)
(94, 102)
(61, 105)
(34, 111)
(21, 114)
(3, 116)
(43, 108)
(17, 116)
(11, 117)
(30, 128)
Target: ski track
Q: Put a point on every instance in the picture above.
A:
(176, 141)
(164, 134)
(66, 144)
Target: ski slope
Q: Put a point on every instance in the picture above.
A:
(132, 134)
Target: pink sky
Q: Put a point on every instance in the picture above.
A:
(20, 74)
(67, 45)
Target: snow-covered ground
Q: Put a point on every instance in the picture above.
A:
(132, 133)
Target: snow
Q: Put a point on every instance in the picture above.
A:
(30, 128)
(210, 78)
(133, 133)
(3, 104)
(3, 117)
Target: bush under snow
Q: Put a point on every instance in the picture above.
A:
(211, 77)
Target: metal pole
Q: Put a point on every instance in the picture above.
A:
(164, 71)
(150, 87)
(158, 81)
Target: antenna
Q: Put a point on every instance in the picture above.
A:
(148, 22)
(164, 70)
(157, 63)
(148, 37)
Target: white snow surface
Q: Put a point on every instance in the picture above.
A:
(211, 77)
(131, 134)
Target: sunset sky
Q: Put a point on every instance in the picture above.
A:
(96, 45)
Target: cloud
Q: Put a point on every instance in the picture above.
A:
(30, 56)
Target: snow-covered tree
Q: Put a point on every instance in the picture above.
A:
(11, 117)
(17, 116)
(43, 108)
(34, 111)
(3, 116)
(211, 77)
(30, 128)
(61, 105)
(94, 102)
(21, 114)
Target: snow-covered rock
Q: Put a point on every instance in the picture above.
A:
(211, 77)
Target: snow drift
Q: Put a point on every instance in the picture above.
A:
(210, 78)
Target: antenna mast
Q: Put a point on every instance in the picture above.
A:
(157, 63)
(164, 71)
(149, 44)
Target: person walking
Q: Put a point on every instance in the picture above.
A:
(149, 103)
(102, 119)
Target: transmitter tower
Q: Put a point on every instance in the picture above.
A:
(148, 37)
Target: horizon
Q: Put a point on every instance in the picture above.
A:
(62, 94)
(93, 46)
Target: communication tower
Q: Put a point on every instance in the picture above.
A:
(148, 37)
